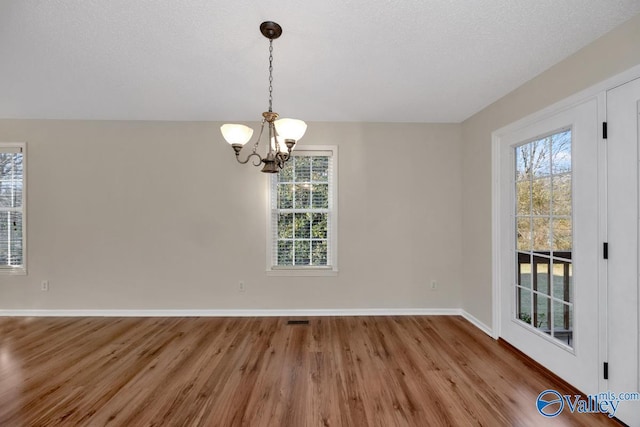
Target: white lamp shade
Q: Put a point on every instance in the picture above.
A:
(236, 134)
(290, 128)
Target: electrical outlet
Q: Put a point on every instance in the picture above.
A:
(241, 286)
(44, 285)
(434, 285)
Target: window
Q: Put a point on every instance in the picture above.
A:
(12, 209)
(303, 214)
(544, 234)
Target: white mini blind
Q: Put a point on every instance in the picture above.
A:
(12, 207)
(302, 212)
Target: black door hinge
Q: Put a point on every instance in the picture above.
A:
(605, 250)
(604, 130)
(605, 370)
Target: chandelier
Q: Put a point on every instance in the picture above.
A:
(283, 133)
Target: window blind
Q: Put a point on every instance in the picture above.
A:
(11, 206)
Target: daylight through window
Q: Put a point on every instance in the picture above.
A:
(544, 235)
(12, 196)
(303, 212)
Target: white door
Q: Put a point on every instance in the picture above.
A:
(546, 246)
(623, 109)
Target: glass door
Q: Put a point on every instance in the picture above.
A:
(546, 242)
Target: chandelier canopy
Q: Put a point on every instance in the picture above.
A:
(283, 133)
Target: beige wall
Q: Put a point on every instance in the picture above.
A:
(112, 225)
(158, 215)
(615, 52)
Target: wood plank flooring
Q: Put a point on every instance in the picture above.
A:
(336, 371)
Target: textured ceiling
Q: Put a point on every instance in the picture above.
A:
(337, 60)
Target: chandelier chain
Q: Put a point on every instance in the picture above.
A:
(270, 75)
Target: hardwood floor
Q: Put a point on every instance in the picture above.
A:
(336, 371)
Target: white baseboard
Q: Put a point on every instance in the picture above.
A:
(235, 313)
(477, 323)
(252, 313)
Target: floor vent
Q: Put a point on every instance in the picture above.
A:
(297, 322)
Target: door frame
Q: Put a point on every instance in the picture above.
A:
(498, 211)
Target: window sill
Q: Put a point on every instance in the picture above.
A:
(302, 272)
(13, 271)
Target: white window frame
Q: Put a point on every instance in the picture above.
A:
(19, 270)
(314, 270)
